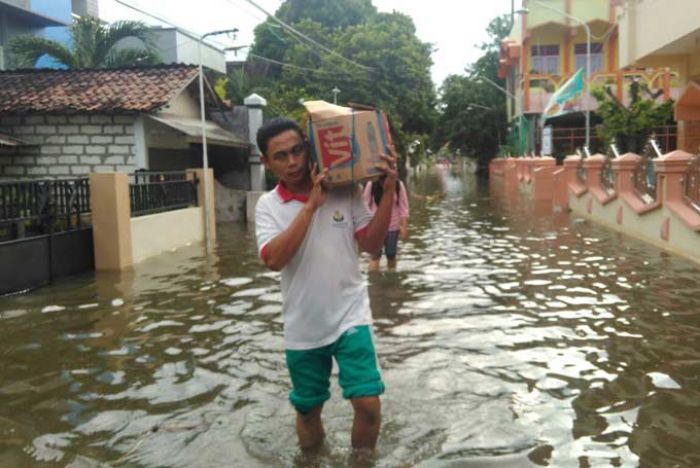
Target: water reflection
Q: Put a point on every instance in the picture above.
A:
(509, 336)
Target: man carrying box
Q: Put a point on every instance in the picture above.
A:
(311, 234)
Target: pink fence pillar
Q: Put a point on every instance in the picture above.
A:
(671, 171)
(624, 172)
(543, 178)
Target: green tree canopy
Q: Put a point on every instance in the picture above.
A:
(93, 46)
(378, 60)
(472, 111)
(630, 127)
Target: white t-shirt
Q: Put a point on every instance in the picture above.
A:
(323, 291)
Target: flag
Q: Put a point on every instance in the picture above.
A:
(563, 100)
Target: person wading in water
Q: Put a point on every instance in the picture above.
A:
(311, 235)
(398, 225)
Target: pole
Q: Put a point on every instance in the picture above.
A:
(588, 84)
(205, 155)
(588, 62)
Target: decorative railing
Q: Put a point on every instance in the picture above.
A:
(580, 169)
(661, 83)
(155, 192)
(644, 176)
(35, 207)
(692, 183)
(607, 175)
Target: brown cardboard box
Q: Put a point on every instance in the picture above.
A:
(347, 141)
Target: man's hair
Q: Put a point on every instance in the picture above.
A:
(274, 127)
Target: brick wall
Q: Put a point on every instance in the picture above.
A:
(689, 135)
(66, 146)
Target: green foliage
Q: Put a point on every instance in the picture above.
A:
(93, 46)
(631, 127)
(473, 114)
(394, 71)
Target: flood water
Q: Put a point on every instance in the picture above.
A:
(507, 338)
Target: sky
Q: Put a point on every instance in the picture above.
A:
(454, 27)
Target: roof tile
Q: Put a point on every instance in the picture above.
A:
(141, 89)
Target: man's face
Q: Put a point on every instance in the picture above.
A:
(286, 157)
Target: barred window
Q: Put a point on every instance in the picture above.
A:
(596, 57)
(545, 59)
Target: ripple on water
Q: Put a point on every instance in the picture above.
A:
(505, 339)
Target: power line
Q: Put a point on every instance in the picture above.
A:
(307, 38)
(299, 67)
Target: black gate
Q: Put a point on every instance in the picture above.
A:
(45, 232)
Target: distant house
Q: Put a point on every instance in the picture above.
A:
(177, 46)
(61, 123)
(47, 18)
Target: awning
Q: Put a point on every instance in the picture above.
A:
(6, 140)
(192, 129)
(688, 104)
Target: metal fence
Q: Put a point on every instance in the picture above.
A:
(155, 192)
(692, 183)
(36, 207)
(644, 175)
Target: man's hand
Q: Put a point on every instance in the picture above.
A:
(390, 169)
(318, 194)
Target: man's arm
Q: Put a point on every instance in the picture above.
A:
(280, 250)
(373, 237)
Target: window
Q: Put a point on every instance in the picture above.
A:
(545, 59)
(596, 57)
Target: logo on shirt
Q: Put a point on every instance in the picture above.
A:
(339, 220)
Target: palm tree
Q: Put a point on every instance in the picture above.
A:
(93, 46)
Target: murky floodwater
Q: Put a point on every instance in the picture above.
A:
(506, 339)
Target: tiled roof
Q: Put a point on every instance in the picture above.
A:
(124, 90)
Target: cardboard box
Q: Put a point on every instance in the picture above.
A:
(347, 141)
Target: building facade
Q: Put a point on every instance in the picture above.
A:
(177, 46)
(546, 46)
(656, 36)
(47, 18)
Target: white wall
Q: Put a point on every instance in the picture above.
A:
(154, 234)
(211, 56)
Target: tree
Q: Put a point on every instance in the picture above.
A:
(378, 61)
(630, 127)
(93, 46)
(472, 112)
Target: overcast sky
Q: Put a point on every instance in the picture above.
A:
(454, 27)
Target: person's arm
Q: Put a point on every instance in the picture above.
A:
(373, 237)
(280, 250)
(403, 212)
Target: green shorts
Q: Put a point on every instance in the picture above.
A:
(310, 370)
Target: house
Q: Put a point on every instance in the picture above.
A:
(42, 18)
(652, 35)
(63, 123)
(175, 45)
(546, 46)
(46, 18)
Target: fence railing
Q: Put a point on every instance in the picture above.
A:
(607, 175)
(155, 192)
(36, 207)
(644, 175)
(692, 183)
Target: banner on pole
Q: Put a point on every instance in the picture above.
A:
(564, 99)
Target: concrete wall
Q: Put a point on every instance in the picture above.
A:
(68, 145)
(646, 27)
(86, 7)
(669, 222)
(153, 234)
(175, 46)
(120, 240)
(230, 204)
